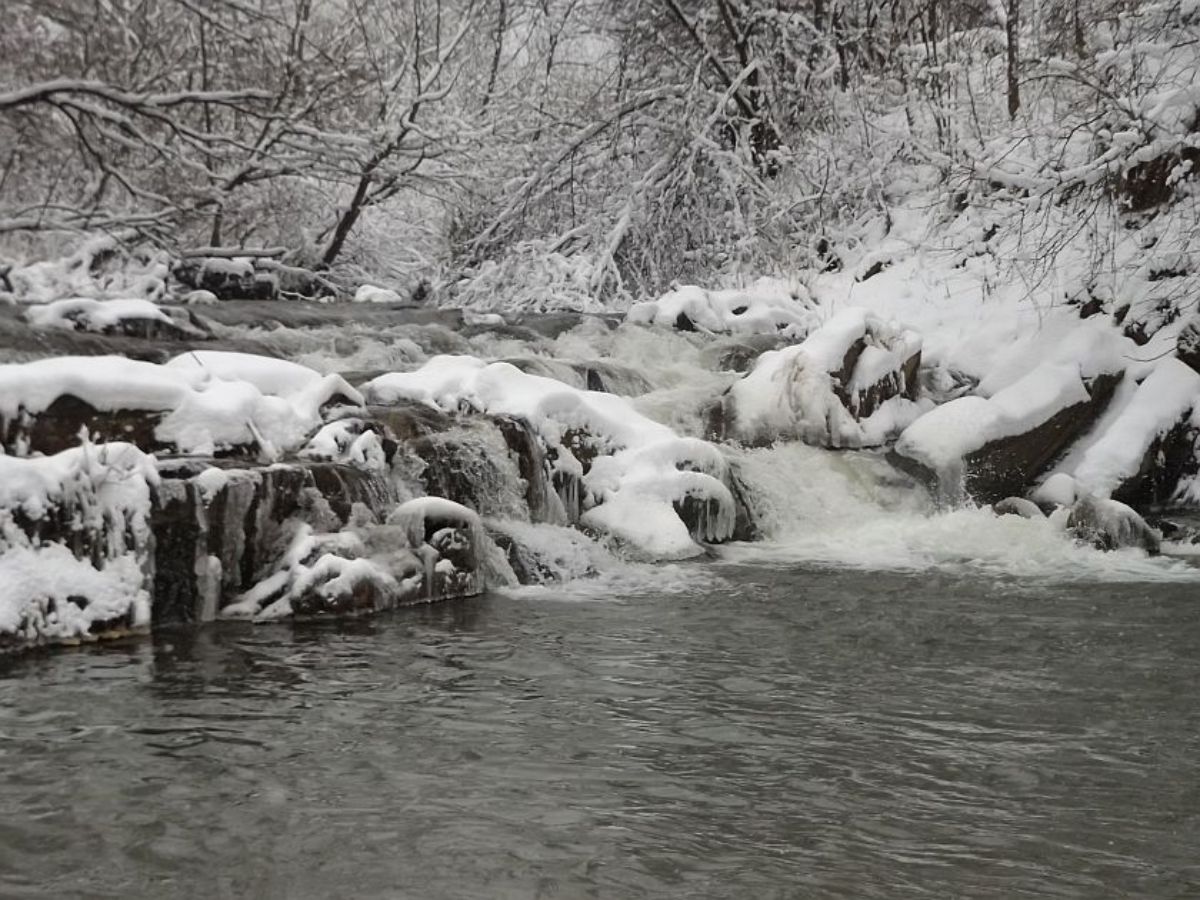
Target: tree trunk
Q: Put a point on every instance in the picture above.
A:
(501, 25)
(1012, 29)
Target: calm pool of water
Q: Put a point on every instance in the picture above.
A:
(787, 734)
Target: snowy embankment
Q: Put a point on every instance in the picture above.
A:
(1062, 403)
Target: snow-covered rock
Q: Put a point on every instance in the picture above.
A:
(1017, 506)
(217, 528)
(235, 278)
(632, 470)
(1142, 453)
(74, 545)
(1110, 525)
(992, 447)
(768, 306)
(320, 574)
(851, 383)
(369, 293)
(197, 403)
(130, 316)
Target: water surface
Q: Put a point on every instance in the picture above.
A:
(788, 732)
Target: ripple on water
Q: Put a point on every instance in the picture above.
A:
(782, 732)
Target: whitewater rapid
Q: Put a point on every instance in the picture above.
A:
(814, 507)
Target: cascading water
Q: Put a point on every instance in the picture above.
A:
(807, 505)
(835, 508)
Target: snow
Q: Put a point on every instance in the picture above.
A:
(944, 436)
(103, 493)
(211, 400)
(1168, 396)
(347, 441)
(369, 293)
(637, 469)
(116, 477)
(331, 566)
(790, 393)
(1057, 490)
(84, 314)
(768, 306)
(411, 517)
(37, 605)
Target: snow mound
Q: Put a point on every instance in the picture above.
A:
(638, 476)
(768, 306)
(849, 384)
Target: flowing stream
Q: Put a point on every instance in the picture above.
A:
(880, 700)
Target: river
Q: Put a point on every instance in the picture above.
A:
(771, 730)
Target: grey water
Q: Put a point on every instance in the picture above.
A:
(785, 733)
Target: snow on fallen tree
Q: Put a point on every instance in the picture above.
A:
(768, 306)
(131, 316)
(75, 545)
(851, 383)
(199, 403)
(629, 476)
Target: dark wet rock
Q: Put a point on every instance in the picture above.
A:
(407, 420)
(529, 450)
(1111, 525)
(745, 527)
(683, 323)
(613, 378)
(529, 566)
(705, 518)
(60, 425)
(1018, 506)
(902, 382)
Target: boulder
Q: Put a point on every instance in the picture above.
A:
(226, 279)
(827, 390)
(952, 450)
(1110, 525)
(1018, 506)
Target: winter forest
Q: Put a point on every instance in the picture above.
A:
(608, 448)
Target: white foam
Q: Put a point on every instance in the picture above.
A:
(844, 510)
